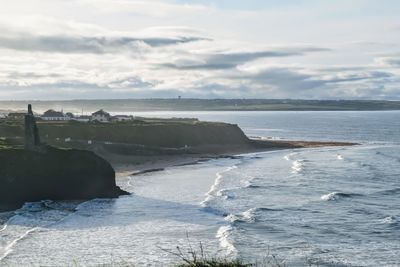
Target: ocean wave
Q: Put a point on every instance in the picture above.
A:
(214, 211)
(224, 236)
(225, 193)
(8, 248)
(248, 216)
(288, 157)
(389, 192)
(214, 190)
(253, 186)
(29, 218)
(298, 166)
(233, 218)
(337, 195)
(250, 184)
(389, 220)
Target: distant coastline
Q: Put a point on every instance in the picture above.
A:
(189, 104)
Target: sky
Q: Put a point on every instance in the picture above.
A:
(112, 49)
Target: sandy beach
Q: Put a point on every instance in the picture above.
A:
(136, 164)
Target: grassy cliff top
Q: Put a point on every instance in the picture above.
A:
(152, 132)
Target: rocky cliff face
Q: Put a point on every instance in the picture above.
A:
(43, 172)
(54, 174)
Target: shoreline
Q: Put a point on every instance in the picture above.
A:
(147, 164)
(130, 165)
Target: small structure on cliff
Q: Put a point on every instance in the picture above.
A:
(32, 138)
(52, 115)
(101, 116)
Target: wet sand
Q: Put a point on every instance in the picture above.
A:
(136, 164)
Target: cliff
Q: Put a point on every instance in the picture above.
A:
(161, 134)
(55, 174)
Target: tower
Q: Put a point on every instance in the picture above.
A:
(32, 138)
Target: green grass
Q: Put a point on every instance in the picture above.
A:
(216, 263)
(191, 257)
(173, 133)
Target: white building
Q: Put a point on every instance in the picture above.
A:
(101, 116)
(52, 115)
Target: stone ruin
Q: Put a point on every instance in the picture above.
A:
(32, 138)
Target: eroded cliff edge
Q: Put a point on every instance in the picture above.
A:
(40, 172)
(55, 174)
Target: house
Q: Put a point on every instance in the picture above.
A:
(119, 118)
(52, 115)
(101, 116)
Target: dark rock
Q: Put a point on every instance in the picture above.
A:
(41, 172)
(56, 174)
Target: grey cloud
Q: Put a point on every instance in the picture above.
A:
(228, 60)
(293, 81)
(32, 75)
(126, 82)
(76, 44)
(345, 68)
(286, 79)
(363, 76)
(393, 62)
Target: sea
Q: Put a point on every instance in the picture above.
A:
(330, 206)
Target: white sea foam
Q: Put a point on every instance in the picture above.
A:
(29, 218)
(4, 227)
(225, 240)
(225, 194)
(129, 181)
(250, 215)
(330, 196)
(247, 184)
(8, 248)
(389, 220)
(297, 166)
(233, 218)
(337, 196)
(288, 157)
(214, 190)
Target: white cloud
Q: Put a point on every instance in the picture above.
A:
(129, 48)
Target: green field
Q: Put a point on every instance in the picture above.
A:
(149, 133)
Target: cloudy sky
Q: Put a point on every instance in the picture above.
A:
(301, 49)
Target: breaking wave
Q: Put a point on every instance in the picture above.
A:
(389, 220)
(213, 192)
(29, 218)
(298, 166)
(337, 195)
(224, 236)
